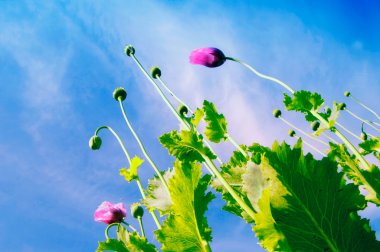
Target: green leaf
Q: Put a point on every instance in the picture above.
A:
(311, 207)
(131, 173)
(197, 117)
(186, 145)
(371, 145)
(305, 102)
(112, 245)
(330, 118)
(369, 179)
(157, 197)
(186, 228)
(133, 241)
(216, 124)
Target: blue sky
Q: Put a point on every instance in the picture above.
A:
(61, 60)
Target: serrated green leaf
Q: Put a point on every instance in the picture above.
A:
(318, 210)
(157, 197)
(186, 146)
(131, 173)
(112, 245)
(197, 117)
(371, 145)
(186, 228)
(369, 179)
(216, 124)
(305, 102)
(133, 241)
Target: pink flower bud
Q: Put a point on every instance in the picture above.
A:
(209, 57)
(109, 213)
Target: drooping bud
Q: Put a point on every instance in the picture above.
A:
(315, 125)
(347, 94)
(129, 50)
(277, 113)
(136, 210)
(209, 57)
(95, 142)
(341, 106)
(182, 110)
(291, 133)
(119, 93)
(155, 72)
(363, 136)
(109, 213)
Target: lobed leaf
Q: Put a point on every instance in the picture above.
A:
(186, 145)
(131, 173)
(186, 228)
(216, 124)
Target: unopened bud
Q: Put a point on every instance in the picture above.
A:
(129, 50)
(291, 133)
(119, 93)
(155, 72)
(277, 113)
(136, 210)
(95, 142)
(315, 125)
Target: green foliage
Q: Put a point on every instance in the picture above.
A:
(303, 101)
(131, 173)
(216, 127)
(186, 145)
(157, 197)
(371, 145)
(369, 179)
(186, 228)
(112, 245)
(306, 205)
(197, 117)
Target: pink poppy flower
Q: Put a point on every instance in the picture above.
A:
(109, 213)
(209, 57)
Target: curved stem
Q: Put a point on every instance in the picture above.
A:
(303, 132)
(311, 146)
(370, 110)
(108, 227)
(142, 147)
(130, 226)
(330, 138)
(141, 226)
(369, 123)
(118, 139)
(348, 131)
(262, 75)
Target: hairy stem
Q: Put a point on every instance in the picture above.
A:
(364, 106)
(369, 123)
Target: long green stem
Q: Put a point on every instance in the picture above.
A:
(337, 132)
(130, 226)
(118, 139)
(348, 131)
(262, 75)
(369, 123)
(191, 111)
(303, 132)
(141, 226)
(165, 99)
(129, 161)
(228, 187)
(311, 146)
(142, 146)
(370, 110)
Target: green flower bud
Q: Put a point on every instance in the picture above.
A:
(347, 94)
(129, 50)
(155, 72)
(137, 210)
(341, 106)
(291, 133)
(363, 136)
(315, 125)
(182, 110)
(119, 93)
(277, 113)
(95, 142)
